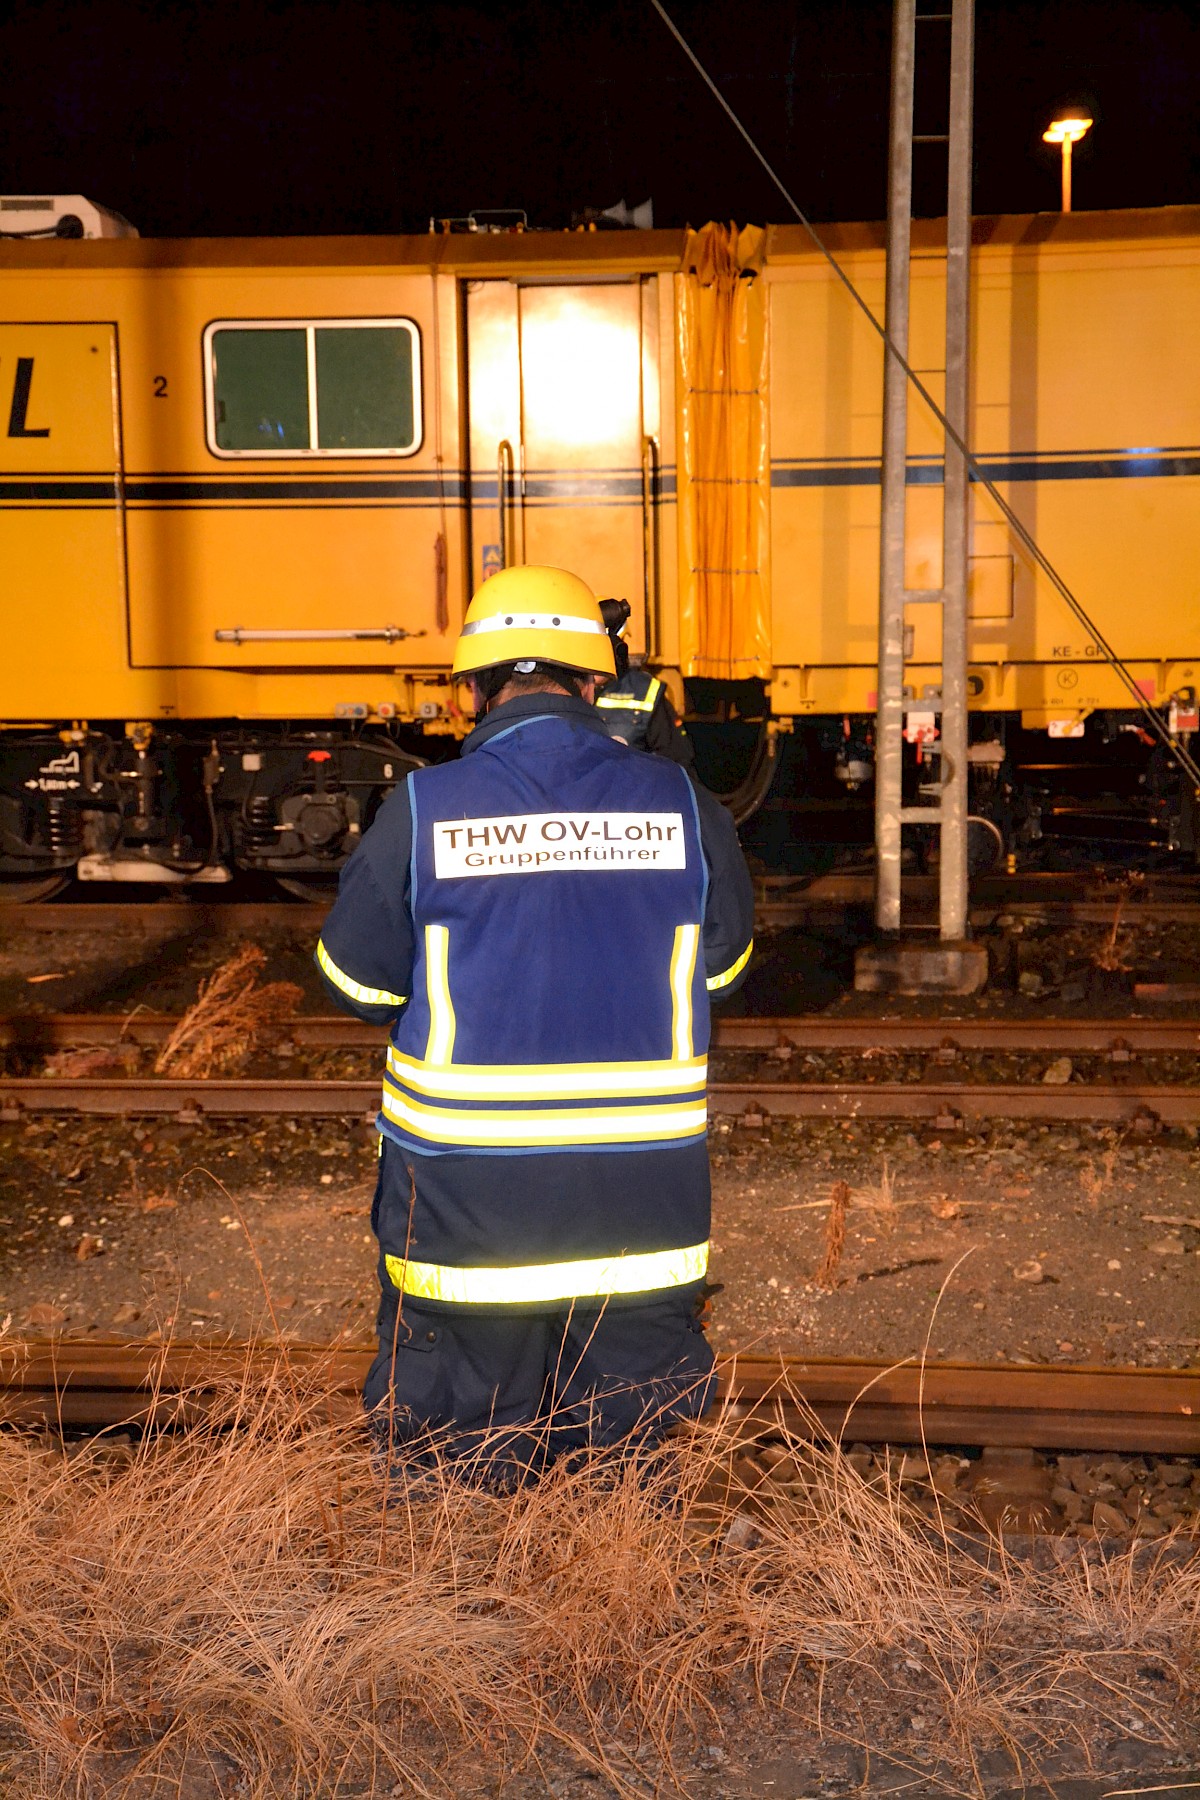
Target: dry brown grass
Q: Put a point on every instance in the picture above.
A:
(232, 1013)
(879, 1198)
(1111, 955)
(232, 1610)
(1094, 1182)
(835, 1237)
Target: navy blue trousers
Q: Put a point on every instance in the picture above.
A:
(507, 1394)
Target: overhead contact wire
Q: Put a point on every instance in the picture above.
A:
(1186, 762)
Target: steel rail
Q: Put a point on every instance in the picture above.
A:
(72, 1383)
(947, 1105)
(1115, 1038)
(1118, 1039)
(219, 916)
(781, 899)
(1031, 886)
(781, 913)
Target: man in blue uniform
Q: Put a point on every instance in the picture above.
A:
(635, 705)
(542, 923)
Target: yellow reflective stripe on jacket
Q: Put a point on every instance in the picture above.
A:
(442, 1024)
(683, 967)
(368, 996)
(628, 702)
(560, 1125)
(536, 1283)
(734, 969)
(548, 1081)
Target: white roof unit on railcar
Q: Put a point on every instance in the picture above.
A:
(59, 215)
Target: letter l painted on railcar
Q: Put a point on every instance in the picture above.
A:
(19, 413)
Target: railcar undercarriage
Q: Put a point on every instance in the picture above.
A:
(112, 802)
(118, 803)
(1113, 795)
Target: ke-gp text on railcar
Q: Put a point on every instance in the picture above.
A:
(248, 486)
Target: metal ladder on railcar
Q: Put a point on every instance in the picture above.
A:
(946, 809)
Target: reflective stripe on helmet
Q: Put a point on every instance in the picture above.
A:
(521, 621)
(538, 1283)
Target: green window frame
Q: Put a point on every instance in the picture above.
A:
(312, 387)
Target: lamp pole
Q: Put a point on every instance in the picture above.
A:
(1066, 132)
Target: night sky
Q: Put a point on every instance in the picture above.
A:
(340, 117)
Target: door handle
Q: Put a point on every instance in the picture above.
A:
(505, 471)
(650, 543)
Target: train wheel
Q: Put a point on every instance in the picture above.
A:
(319, 888)
(23, 890)
(985, 846)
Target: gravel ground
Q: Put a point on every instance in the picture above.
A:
(1027, 1243)
(1016, 1243)
(1041, 967)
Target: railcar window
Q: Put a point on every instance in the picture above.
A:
(260, 386)
(320, 387)
(364, 389)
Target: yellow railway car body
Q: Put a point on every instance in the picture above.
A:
(547, 368)
(247, 490)
(1085, 411)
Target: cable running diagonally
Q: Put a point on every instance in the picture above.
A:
(1186, 762)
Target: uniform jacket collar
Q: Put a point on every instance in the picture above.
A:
(528, 707)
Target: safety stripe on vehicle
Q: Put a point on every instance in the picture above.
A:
(422, 488)
(367, 996)
(560, 1125)
(548, 1081)
(597, 1277)
(1033, 465)
(727, 975)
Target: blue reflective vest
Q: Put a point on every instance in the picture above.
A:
(542, 922)
(636, 709)
(627, 704)
(558, 994)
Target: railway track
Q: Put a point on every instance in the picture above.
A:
(1117, 1039)
(947, 1105)
(780, 900)
(72, 1383)
(943, 1101)
(217, 917)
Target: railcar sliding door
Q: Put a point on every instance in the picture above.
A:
(558, 432)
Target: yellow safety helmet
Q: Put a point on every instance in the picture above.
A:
(532, 614)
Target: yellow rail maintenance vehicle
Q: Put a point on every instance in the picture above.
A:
(247, 487)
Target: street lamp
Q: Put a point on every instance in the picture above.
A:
(1066, 132)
